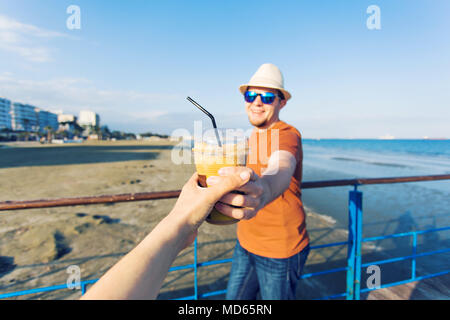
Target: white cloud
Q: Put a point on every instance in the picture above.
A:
(75, 93)
(24, 40)
(121, 107)
(12, 25)
(149, 115)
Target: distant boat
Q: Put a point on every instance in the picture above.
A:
(386, 137)
(428, 138)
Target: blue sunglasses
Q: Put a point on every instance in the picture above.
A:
(266, 97)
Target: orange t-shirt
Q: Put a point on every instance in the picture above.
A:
(279, 229)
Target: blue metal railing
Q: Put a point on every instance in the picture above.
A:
(412, 257)
(353, 267)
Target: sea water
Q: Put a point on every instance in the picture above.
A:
(387, 208)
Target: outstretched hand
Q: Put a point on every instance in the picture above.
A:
(195, 203)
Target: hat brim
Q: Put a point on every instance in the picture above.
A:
(244, 87)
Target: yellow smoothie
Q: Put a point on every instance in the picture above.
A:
(209, 159)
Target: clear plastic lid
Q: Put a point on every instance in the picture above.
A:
(230, 140)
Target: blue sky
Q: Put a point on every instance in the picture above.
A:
(134, 62)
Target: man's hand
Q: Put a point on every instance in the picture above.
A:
(259, 191)
(250, 198)
(195, 203)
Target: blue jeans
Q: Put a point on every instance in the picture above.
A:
(274, 279)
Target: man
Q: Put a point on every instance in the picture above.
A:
(272, 244)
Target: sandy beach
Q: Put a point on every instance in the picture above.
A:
(37, 246)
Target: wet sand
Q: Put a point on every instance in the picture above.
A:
(37, 246)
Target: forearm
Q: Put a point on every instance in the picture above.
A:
(140, 274)
(277, 177)
(275, 185)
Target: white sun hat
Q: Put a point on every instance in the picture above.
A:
(267, 76)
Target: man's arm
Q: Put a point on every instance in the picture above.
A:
(259, 191)
(278, 174)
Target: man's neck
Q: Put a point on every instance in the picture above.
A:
(258, 129)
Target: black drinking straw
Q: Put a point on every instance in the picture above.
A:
(209, 115)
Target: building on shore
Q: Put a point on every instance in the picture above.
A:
(24, 117)
(66, 118)
(47, 119)
(89, 118)
(17, 117)
(68, 123)
(90, 122)
(5, 114)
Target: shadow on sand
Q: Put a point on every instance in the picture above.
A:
(70, 154)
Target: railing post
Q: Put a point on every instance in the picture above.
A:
(413, 260)
(359, 219)
(354, 244)
(195, 270)
(351, 247)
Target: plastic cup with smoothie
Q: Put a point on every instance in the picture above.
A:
(211, 154)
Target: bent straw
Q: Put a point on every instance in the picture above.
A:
(209, 115)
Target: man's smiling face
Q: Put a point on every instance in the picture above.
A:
(263, 115)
